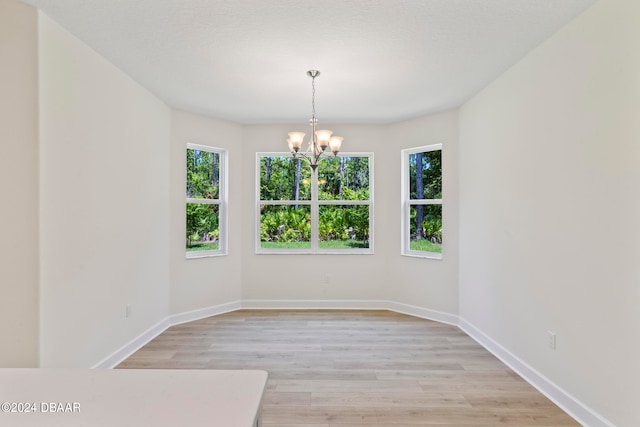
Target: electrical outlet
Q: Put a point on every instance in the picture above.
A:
(327, 278)
(127, 310)
(551, 339)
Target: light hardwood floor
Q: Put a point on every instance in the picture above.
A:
(357, 368)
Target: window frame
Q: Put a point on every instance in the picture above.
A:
(314, 204)
(407, 203)
(221, 202)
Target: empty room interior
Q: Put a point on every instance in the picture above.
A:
(500, 286)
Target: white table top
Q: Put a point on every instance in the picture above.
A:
(130, 397)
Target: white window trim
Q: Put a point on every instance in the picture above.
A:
(222, 202)
(315, 205)
(407, 203)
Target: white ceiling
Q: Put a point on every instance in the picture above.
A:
(246, 60)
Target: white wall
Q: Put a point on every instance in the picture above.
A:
(426, 283)
(549, 209)
(301, 277)
(381, 276)
(18, 185)
(204, 282)
(104, 203)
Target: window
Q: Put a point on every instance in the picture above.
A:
(303, 212)
(422, 201)
(206, 201)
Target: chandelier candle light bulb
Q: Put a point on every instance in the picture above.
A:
(335, 143)
(320, 139)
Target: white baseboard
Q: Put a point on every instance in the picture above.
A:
(423, 313)
(115, 358)
(411, 310)
(580, 412)
(190, 316)
(138, 342)
(314, 304)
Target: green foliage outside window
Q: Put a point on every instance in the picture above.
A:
(203, 183)
(348, 225)
(203, 174)
(339, 226)
(425, 182)
(285, 224)
(203, 230)
(431, 228)
(344, 178)
(284, 178)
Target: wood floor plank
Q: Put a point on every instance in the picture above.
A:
(391, 399)
(287, 399)
(464, 376)
(472, 417)
(350, 368)
(338, 386)
(397, 364)
(323, 414)
(324, 374)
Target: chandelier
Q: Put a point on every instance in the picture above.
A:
(319, 140)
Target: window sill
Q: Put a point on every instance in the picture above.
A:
(204, 254)
(425, 255)
(328, 252)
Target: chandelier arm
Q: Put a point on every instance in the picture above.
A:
(303, 156)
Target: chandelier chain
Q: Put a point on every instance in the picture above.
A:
(313, 97)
